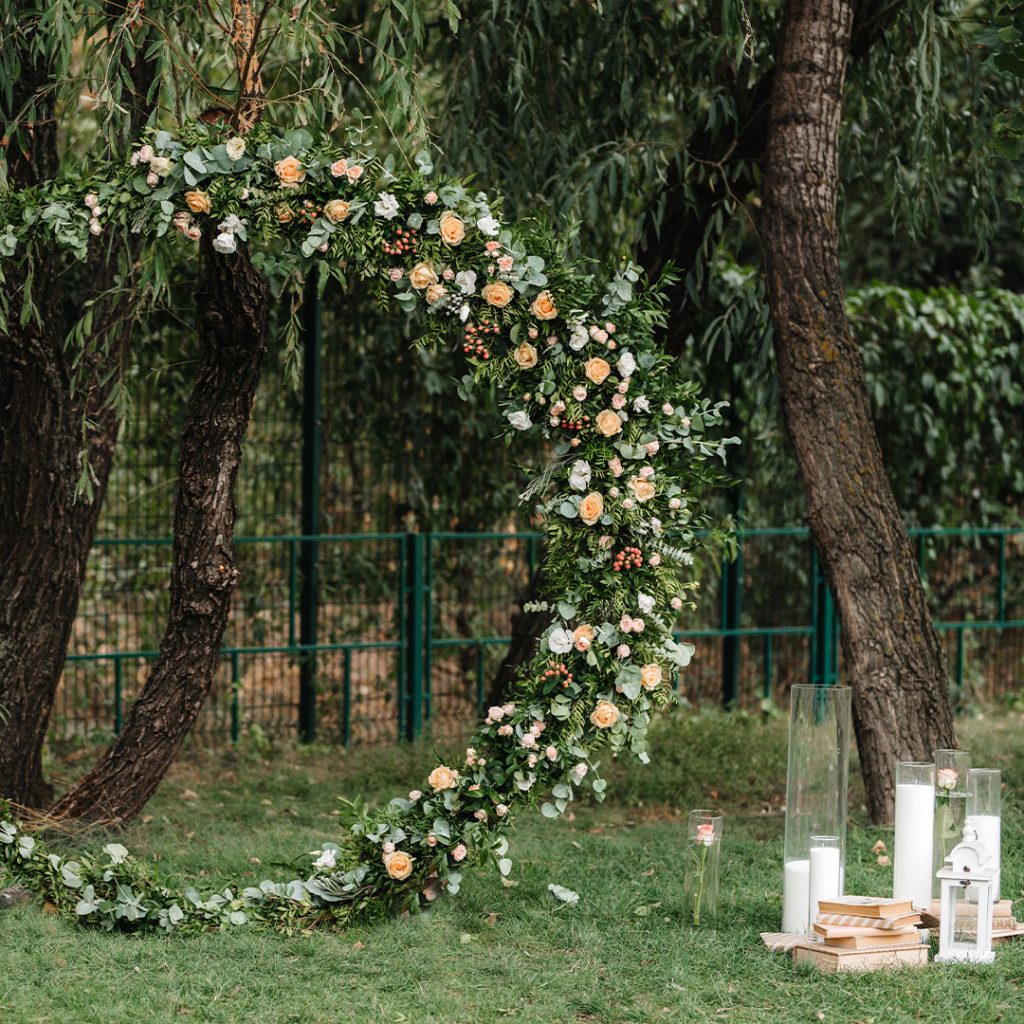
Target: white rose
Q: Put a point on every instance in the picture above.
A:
(641, 404)
(232, 225)
(578, 338)
(579, 475)
(236, 150)
(626, 364)
(560, 641)
(160, 165)
(520, 420)
(225, 242)
(465, 281)
(646, 603)
(386, 206)
(326, 859)
(488, 225)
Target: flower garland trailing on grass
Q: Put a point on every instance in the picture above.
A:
(579, 368)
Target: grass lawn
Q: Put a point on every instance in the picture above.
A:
(514, 954)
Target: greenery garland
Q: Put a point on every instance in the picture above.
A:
(578, 367)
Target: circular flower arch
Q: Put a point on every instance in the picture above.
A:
(576, 363)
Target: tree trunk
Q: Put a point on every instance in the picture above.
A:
(46, 529)
(892, 653)
(233, 314)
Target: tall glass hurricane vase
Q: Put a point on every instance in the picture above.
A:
(703, 852)
(816, 790)
(984, 808)
(951, 768)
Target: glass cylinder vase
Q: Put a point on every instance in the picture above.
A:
(703, 852)
(951, 768)
(912, 843)
(816, 790)
(984, 807)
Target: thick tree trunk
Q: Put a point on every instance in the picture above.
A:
(527, 628)
(233, 314)
(892, 653)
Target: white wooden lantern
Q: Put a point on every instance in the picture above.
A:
(965, 927)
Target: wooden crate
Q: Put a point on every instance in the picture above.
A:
(836, 958)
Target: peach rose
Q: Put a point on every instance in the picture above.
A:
(525, 356)
(605, 715)
(197, 202)
(452, 228)
(443, 777)
(289, 172)
(285, 214)
(336, 210)
(591, 508)
(641, 488)
(597, 369)
(543, 307)
(650, 676)
(398, 864)
(497, 294)
(584, 632)
(608, 422)
(338, 168)
(436, 292)
(422, 276)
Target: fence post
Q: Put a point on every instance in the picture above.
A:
(310, 553)
(415, 589)
(824, 638)
(732, 598)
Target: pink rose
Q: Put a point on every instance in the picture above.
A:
(676, 603)
(431, 840)
(430, 198)
(501, 810)
(605, 542)
(579, 392)
(414, 795)
(667, 409)
(492, 246)
(655, 559)
(551, 754)
(623, 386)
(339, 167)
(505, 730)
(706, 833)
(396, 273)
(580, 770)
(448, 273)
(674, 503)
(615, 465)
(354, 173)
(529, 740)
(610, 328)
(652, 447)
(647, 472)
(622, 650)
(639, 625)
(480, 815)
(505, 263)
(618, 401)
(508, 708)
(459, 853)
(388, 848)
(626, 623)
(496, 714)
(532, 760)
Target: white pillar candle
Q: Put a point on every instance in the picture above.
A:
(795, 896)
(824, 883)
(912, 853)
(988, 827)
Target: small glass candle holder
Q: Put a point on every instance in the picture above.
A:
(984, 807)
(951, 768)
(703, 852)
(825, 872)
(912, 843)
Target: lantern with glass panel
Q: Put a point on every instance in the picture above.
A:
(967, 881)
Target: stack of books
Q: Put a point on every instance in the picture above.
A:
(856, 933)
(1003, 922)
(864, 922)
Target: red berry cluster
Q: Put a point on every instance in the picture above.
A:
(627, 558)
(309, 212)
(558, 669)
(403, 242)
(473, 343)
(575, 424)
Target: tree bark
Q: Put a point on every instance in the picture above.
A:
(892, 653)
(233, 315)
(46, 529)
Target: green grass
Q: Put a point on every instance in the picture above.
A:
(623, 954)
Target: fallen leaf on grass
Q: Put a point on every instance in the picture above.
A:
(189, 794)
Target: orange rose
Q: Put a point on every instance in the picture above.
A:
(650, 676)
(584, 632)
(597, 369)
(289, 172)
(497, 294)
(398, 864)
(452, 228)
(422, 276)
(641, 488)
(285, 214)
(197, 202)
(605, 715)
(608, 422)
(591, 508)
(543, 307)
(336, 210)
(435, 292)
(443, 777)
(525, 356)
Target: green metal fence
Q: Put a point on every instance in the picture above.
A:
(369, 637)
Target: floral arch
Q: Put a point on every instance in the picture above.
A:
(577, 365)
